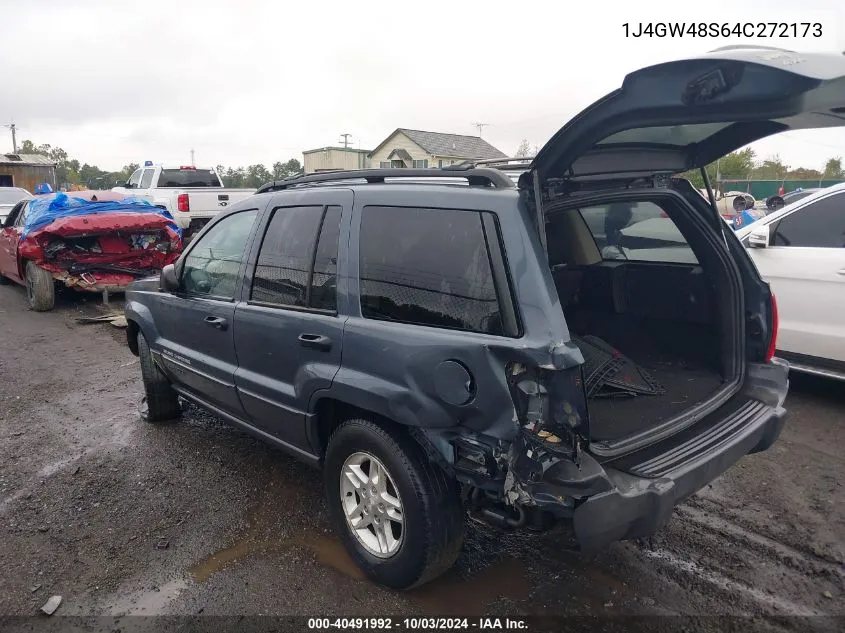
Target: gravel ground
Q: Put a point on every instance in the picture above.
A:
(120, 517)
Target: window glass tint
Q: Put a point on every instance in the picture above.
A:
(637, 231)
(820, 224)
(147, 179)
(281, 275)
(429, 267)
(188, 178)
(211, 267)
(324, 282)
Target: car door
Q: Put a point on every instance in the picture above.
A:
(288, 328)
(10, 236)
(195, 323)
(805, 265)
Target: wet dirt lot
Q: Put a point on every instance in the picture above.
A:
(120, 517)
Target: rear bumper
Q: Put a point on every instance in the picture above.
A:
(642, 497)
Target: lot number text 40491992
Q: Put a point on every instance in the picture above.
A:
(417, 624)
(769, 30)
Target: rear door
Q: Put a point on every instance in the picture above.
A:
(805, 265)
(288, 328)
(196, 323)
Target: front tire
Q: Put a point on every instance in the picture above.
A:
(398, 514)
(40, 288)
(161, 402)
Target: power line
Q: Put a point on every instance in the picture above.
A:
(345, 140)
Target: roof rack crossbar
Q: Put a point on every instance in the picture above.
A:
(475, 177)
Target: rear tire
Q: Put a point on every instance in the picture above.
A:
(40, 288)
(160, 402)
(431, 531)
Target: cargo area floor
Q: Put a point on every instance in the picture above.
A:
(674, 354)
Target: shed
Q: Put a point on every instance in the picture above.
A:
(26, 171)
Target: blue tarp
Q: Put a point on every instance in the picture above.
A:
(43, 211)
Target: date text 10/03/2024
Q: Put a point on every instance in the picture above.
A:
(417, 624)
(765, 30)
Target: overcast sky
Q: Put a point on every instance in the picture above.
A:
(244, 81)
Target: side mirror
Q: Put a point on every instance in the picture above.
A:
(759, 237)
(167, 280)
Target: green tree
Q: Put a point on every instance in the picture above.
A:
(833, 168)
(770, 169)
(287, 169)
(257, 175)
(802, 173)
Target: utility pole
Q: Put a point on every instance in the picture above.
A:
(193, 164)
(345, 140)
(12, 127)
(480, 126)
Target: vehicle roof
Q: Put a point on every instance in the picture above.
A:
(776, 215)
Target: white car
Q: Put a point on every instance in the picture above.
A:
(800, 251)
(9, 197)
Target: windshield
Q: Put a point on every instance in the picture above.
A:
(12, 195)
(188, 178)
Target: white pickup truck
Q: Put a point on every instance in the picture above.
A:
(192, 195)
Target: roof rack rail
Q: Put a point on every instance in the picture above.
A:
(497, 163)
(475, 177)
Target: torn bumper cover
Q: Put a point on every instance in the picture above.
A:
(633, 496)
(98, 246)
(637, 506)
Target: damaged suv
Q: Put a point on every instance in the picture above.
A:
(441, 340)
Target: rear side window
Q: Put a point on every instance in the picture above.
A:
(297, 263)
(820, 224)
(428, 267)
(188, 178)
(637, 231)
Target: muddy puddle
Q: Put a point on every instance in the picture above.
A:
(469, 588)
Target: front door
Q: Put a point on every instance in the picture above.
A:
(805, 266)
(10, 237)
(288, 334)
(196, 341)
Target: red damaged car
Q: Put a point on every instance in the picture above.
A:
(87, 240)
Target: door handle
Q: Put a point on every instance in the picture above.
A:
(315, 341)
(840, 272)
(216, 322)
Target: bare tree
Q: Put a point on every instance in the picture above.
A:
(524, 149)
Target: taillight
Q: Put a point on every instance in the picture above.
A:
(182, 203)
(773, 337)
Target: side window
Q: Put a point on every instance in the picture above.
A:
(135, 179)
(637, 231)
(147, 179)
(22, 213)
(427, 267)
(820, 224)
(283, 274)
(211, 268)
